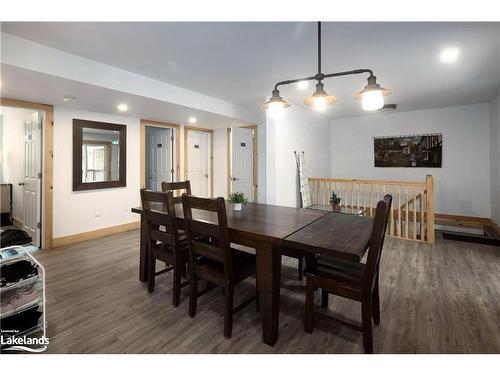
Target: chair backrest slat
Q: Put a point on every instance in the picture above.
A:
(177, 188)
(220, 249)
(208, 229)
(209, 251)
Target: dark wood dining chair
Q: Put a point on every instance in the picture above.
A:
(217, 262)
(179, 188)
(164, 242)
(356, 281)
(175, 187)
(300, 256)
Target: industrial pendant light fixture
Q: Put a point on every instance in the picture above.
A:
(372, 96)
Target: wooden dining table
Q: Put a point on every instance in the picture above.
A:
(266, 228)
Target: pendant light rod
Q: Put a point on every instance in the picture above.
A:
(321, 76)
(319, 47)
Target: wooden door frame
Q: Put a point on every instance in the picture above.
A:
(254, 161)
(203, 130)
(160, 124)
(47, 143)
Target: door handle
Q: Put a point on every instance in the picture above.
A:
(21, 183)
(206, 176)
(234, 179)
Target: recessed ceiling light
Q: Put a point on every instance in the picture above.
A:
(122, 107)
(449, 55)
(69, 99)
(192, 120)
(302, 85)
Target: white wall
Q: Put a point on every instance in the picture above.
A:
(220, 163)
(462, 185)
(261, 162)
(13, 154)
(74, 212)
(298, 130)
(495, 158)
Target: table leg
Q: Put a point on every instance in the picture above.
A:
(269, 275)
(143, 263)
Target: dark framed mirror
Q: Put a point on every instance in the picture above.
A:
(99, 155)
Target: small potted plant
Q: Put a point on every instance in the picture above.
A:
(335, 202)
(238, 200)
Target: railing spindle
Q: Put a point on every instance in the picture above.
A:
(407, 224)
(391, 229)
(414, 215)
(422, 215)
(400, 223)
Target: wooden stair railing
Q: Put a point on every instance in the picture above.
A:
(412, 215)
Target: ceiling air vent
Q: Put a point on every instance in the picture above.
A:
(388, 108)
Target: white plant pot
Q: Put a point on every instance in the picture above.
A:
(237, 206)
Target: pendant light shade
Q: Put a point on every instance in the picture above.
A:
(372, 96)
(320, 99)
(276, 105)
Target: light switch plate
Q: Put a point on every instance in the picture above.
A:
(98, 212)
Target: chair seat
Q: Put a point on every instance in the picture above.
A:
(243, 267)
(341, 264)
(337, 269)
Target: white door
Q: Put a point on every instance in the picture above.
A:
(198, 154)
(242, 162)
(159, 161)
(32, 176)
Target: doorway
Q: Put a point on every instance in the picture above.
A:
(160, 153)
(242, 161)
(159, 157)
(21, 170)
(198, 161)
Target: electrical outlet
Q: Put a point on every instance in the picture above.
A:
(98, 212)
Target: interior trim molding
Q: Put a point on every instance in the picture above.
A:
(48, 162)
(461, 221)
(93, 234)
(177, 138)
(474, 222)
(496, 227)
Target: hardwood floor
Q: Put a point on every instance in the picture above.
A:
(434, 299)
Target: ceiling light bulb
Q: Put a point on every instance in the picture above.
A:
(319, 103)
(302, 85)
(192, 120)
(449, 55)
(122, 107)
(372, 100)
(276, 110)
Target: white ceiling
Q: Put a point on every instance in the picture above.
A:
(241, 62)
(18, 83)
